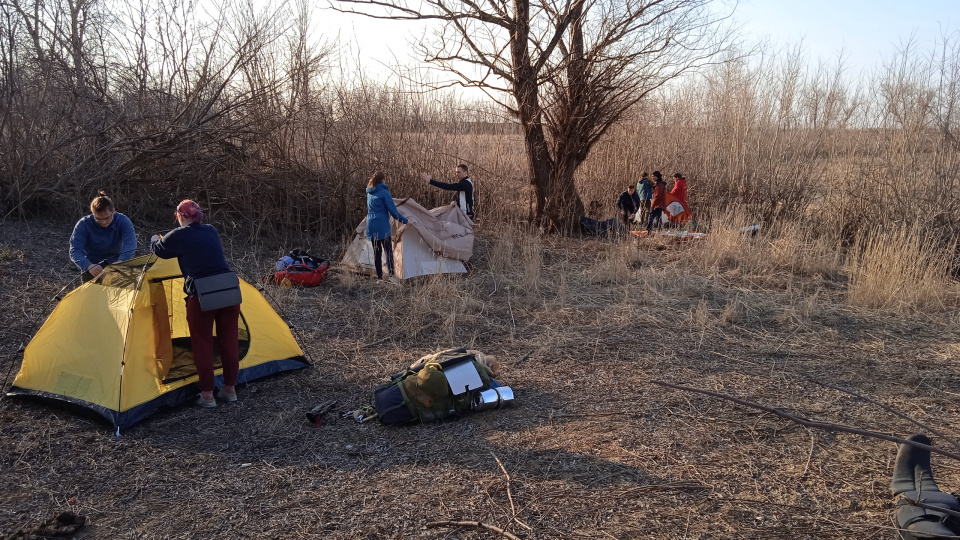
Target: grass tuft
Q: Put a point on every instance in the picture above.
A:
(900, 270)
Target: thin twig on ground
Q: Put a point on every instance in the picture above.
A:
(473, 524)
(890, 410)
(513, 509)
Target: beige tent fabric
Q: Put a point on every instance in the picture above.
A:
(436, 241)
(446, 229)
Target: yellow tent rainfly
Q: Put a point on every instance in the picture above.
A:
(119, 345)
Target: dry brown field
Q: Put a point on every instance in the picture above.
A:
(592, 449)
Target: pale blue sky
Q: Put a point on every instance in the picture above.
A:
(868, 31)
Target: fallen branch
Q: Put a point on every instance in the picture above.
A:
(889, 410)
(473, 524)
(809, 423)
(513, 509)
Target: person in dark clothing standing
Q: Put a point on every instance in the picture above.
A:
(380, 207)
(628, 203)
(463, 186)
(199, 252)
(659, 201)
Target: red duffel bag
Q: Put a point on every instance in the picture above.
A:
(301, 274)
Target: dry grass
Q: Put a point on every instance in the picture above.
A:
(782, 250)
(901, 270)
(593, 450)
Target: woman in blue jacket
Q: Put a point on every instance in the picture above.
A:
(379, 209)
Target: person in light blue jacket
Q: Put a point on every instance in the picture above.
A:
(104, 237)
(380, 207)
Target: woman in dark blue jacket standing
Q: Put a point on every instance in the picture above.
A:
(379, 209)
(199, 251)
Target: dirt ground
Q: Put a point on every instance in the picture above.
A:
(592, 448)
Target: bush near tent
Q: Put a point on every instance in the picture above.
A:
(120, 345)
(437, 241)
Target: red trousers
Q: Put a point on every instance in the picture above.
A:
(201, 337)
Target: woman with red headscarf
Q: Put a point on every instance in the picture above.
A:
(199, 251)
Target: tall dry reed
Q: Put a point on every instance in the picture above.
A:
(902, 270)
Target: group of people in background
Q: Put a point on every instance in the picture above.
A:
(649, 199)
(106, 237)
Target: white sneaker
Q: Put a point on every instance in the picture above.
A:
(395, 281)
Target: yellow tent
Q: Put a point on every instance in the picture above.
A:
(120, 346)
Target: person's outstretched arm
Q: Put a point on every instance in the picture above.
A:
(462, 185)
(166, 247)
(392, 209)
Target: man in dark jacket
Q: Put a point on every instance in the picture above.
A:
(463, 186)
(628, 203)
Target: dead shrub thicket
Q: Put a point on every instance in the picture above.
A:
(260, 126)
(241, 109)
(782, 140)
(819, 161)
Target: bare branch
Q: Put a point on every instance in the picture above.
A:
(474, 525)
(809, 423)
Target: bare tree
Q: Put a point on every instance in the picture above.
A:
(566, 69)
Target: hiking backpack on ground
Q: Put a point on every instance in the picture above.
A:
(422, 392)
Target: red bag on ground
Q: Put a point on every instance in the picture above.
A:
(301, 274)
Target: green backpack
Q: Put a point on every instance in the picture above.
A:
(421, 392)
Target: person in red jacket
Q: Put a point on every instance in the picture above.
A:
(659, 201)
(680, 189)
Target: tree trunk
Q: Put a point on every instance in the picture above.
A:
(564, 208)
(525, 91)
(541, 166)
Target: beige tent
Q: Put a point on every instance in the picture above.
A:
(434, 241)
